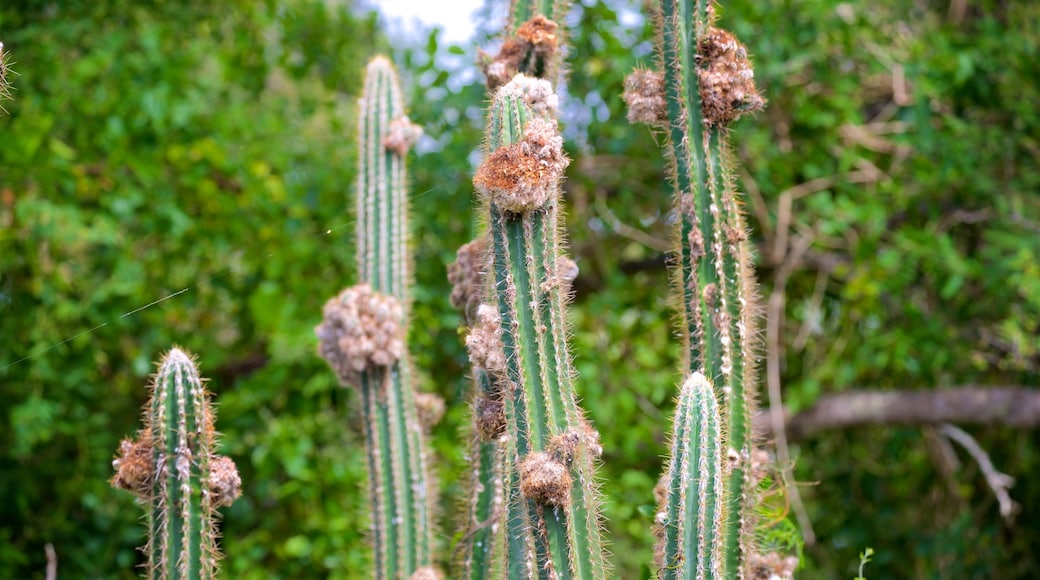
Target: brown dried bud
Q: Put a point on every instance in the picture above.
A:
(761, 465)
(772, 566)
(224, 483)
(545, 480)
(727, 83)
(466, 275)
(490, 418)
(484, 342)
(426, 573)
(430, 409)
(135, 466)
(532, 49)
(567, 445)
(361, 329)
(524, 176)
(567, 270)
(644, 94)
(402, 135)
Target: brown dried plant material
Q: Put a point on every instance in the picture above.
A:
(361, 329)
(531, 50)
(567, 445)
(427, 573)
(772, 566)
(644, 94)
(402, 135)
(466, 275)
(566, 274)
(524, 176)
(484, 342)
(761, 465)
(727, 82)
(490, 417)
(430, 409)
(567, 269)
(134, 467)
(224, 483)
(545, 480)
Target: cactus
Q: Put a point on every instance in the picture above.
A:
(690, 521)
(363, 333)
(532, 44)
(705, 85)
(551, 519)
(5, 73)
(175, 472)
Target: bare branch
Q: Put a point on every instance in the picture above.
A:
(1010, 406)
(997, 481)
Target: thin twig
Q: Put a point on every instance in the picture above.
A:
(52, 561)
(774, 324)
(997, 481)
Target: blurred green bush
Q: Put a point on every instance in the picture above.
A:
(207, 148)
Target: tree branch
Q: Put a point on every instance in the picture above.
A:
(1010, 406)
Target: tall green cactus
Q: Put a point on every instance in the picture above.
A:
(531, 45)
(174, 470)
(690, 522)
(364, 328)
(706, 84)
(551, 521)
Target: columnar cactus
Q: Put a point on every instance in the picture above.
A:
(551, 521)
(175, 472)
(363, 334)
(690, 521)
(706, 84)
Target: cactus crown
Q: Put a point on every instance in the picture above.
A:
(174, 470)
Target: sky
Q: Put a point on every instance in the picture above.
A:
(455, 16)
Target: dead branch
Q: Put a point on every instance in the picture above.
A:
(1009, 406)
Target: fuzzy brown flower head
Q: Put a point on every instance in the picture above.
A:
(402, 135)
(484, 342)
(361, 329)
(524, 176)
(644, 95)
(466, 275)
(772, 566)
(224, 483)
(545, 480)
(532, 51)
(727, 83)
(430, 409)
(489, 416)
(426, 573)
(135, 466)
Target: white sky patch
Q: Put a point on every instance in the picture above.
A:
(408, 17)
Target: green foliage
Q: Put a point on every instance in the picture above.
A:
(154, 149)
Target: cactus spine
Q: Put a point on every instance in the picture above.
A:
(364, 328)
(551, 520)
(173, 469)
(706, 84)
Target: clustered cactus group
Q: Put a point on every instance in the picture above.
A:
(533, 500)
